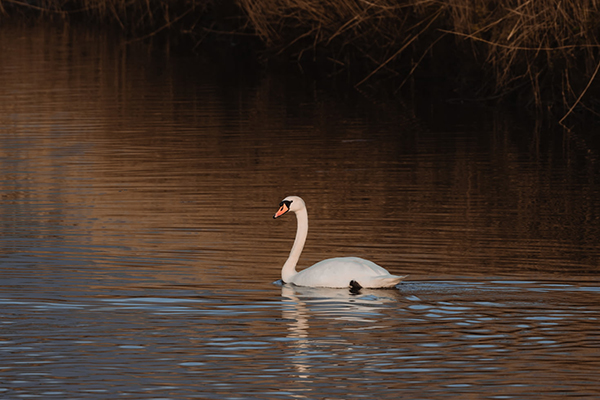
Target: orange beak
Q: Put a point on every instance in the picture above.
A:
(282, 210)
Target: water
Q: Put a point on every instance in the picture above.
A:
(138, 253)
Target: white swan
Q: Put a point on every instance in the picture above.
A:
(341, 272)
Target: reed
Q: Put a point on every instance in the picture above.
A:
(543, 53)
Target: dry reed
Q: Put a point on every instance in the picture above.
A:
(541, 52)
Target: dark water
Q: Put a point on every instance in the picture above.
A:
(138, 252)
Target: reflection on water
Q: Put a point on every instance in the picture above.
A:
(138, 250)
(450, 337)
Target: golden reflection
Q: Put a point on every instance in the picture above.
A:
(139, 160)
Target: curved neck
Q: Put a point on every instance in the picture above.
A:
(289, 268)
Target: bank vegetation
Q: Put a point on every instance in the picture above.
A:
(541, 54)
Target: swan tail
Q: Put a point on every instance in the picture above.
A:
(355, 285)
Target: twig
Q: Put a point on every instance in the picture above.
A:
(506, 46)
(343, 28)
(399, 51)
(231, 33)
(388, 60)
(581, 95)
(161, 28)
(412, 70)
(305, 34)
(49, 10)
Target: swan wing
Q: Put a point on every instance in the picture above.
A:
(339, 272)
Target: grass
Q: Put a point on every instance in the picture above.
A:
(539, 53)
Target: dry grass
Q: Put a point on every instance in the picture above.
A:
(550, 45)
(543, 52)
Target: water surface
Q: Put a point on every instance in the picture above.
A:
(138, 254)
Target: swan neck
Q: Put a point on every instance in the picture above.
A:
(289, 268)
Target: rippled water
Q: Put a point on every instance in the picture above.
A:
(138, 254)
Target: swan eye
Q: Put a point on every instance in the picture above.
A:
(287, 203)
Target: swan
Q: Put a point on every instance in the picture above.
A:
(339, 272)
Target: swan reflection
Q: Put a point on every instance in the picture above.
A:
(336, 303)
(351, 311)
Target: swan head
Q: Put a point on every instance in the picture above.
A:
(290, 203)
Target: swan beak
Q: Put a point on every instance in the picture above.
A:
(282, 210)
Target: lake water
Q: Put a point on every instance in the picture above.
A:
(138, 254)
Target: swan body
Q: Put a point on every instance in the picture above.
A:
(340, 272)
